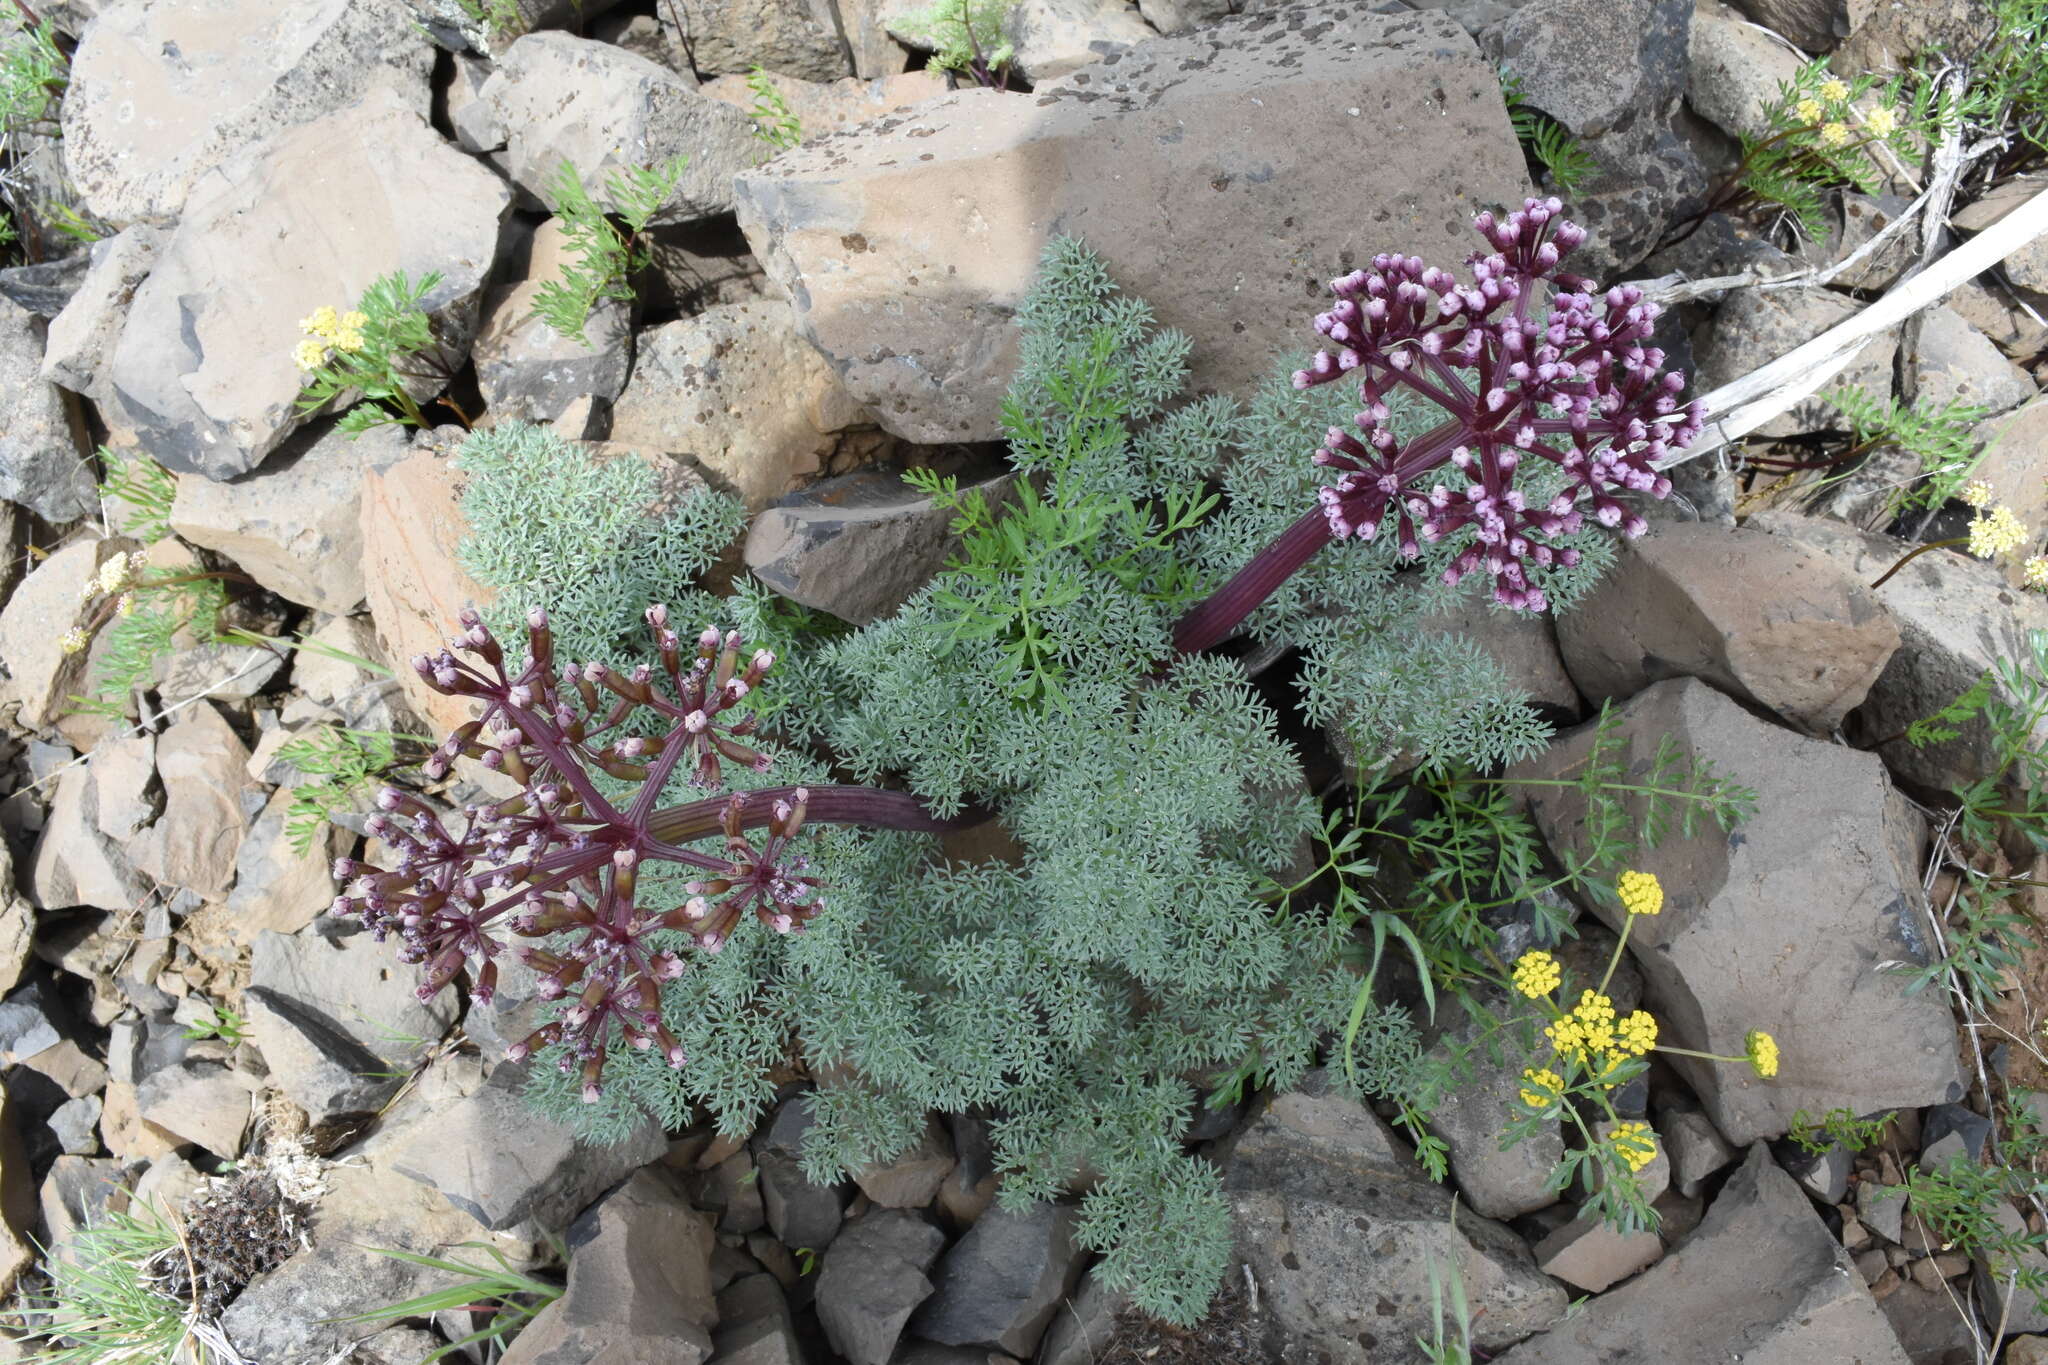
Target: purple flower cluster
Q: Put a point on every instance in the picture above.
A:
(1579, 389)
(561, 861)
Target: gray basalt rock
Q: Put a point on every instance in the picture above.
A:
(1001, 1284)
(906, 251)
(561, 98)
(44, 464)
(1952, 362)
(202, 377)
(528, 371)
(492, 1156)
(203, 765)
(739, 390)
(859, 545)
(639, 1286)
(82, 336)
(164, 91)
(794, 37)
(1957, 618)
(337, 1020)
(1470, 1116)
(295, 525)
(1338, 1225)
(1754, 614)
(1751, 328)
(1725, 957)
(874, 1278)
(1759, 1280)
(800, 1213)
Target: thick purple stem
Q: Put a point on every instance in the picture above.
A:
(1205, 626)
(836, 805)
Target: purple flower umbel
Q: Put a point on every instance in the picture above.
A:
(1579, 390)
(561, 861)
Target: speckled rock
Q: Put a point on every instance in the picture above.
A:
(164, 91)
(203, 377)
(906, 251)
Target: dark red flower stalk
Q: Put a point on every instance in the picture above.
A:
(560, 859)
(1578, 389)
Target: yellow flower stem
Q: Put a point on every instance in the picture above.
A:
(1703, 1056)
(1914, 554)
(1620, 944)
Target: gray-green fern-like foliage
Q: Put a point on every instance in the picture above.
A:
(1130, 944)
(594, 541)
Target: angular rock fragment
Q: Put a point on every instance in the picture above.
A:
(1952, 362)
(44, 460)
(639, 1283)
(1759, 1280)
(412, 524)
(798, 38)
(911, 1180)
(33, 624)
(906, 251)
(1757, 616)
(164, 91)
(202, 377)
(492, 1156)
(82, 336)
(738, 390)
(337, 1021)
(1727, 955)
(1001, 1284)
(1751, 328)
(801, 1214)
(1590, 1256)
(1339, 1224)
(202, 1102)
(295, 525)
(1957, 619)
(562, 98)
(859, 545)
(526, 370)
(1496, 1183)
(203, 765)
(874, 1278)
(1735, 70)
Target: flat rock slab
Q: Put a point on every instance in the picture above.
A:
(1779, 925)
(1339, 1225)
(906, 247)
(1957, 618)
(202, 377)
(1757, 615)
(163, 91)
(1760, 1281)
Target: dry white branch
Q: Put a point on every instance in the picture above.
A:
(1738, 408)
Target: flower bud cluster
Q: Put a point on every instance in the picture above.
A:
(561, 861)
(1579, 390)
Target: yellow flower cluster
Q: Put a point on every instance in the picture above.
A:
(1638, 1032)
(1762, 1050)
(1978, 493)
(1634, 1143)
(1540, 1089)
(1809, 110)
(327, 330)
(74, 641)
(118, 573)
(1881, 122)
(1834, 90)
(1996, 531)
(1588, 1029)
(1537, 974)
(1641, 893)
(2036, 570)
(1835, 134)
